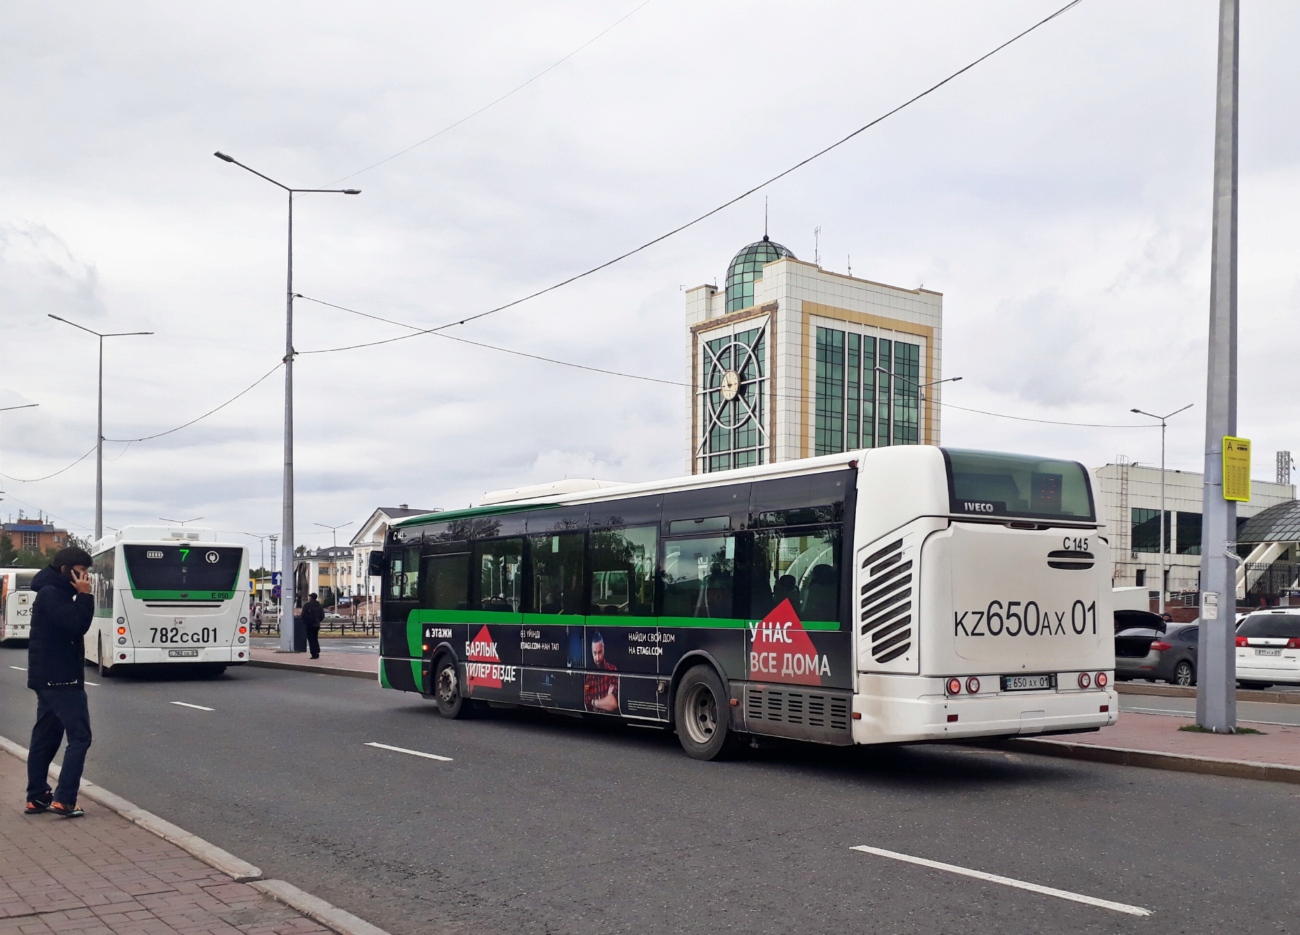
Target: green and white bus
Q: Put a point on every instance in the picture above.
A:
(168, 595)
(894, 595)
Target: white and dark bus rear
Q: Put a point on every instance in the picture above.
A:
(174, 596)
(16, 599)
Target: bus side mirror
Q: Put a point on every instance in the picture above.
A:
(377, 564)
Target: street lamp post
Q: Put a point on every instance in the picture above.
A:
(99, 434)
(334, 561)
(180, 522)
(1162, 420)
(286, 576)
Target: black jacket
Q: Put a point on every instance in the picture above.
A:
(313, 614)
(56, 649)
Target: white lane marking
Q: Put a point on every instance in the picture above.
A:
(19, 668)
(197, 707)
(89, 682)
(1007, 881)
(427, 756)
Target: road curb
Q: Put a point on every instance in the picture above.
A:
(1175, 691)
(319, 670)
(345, 923)
(241, 871)
(1156, 759)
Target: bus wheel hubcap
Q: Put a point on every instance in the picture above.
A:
(701, 714)
(447, 685)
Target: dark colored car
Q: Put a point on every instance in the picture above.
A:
(1147, 647)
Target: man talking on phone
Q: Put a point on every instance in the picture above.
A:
(61, 615)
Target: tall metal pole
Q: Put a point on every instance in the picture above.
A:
(1163, 535)
(1216, 695)
(99, 451)
(286, 578)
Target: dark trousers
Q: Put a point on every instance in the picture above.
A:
(313, 640)
(59, 711)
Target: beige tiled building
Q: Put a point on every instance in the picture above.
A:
(792, 361)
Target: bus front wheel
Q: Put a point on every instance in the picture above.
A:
(702, 715)
(447, 694)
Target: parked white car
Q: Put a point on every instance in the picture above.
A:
(1268, 648)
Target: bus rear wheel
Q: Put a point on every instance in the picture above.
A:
(452, 704)
(702, 715)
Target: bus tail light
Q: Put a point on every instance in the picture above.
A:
(121, 631)
(121, 656)
(1242, 641)
(1084, 679)
(1102, 679)
(243, 629)
(954, 686)
(973, 685)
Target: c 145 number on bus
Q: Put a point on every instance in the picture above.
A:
(177, 635)
(1025, 618)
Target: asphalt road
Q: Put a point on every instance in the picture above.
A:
(556, 825)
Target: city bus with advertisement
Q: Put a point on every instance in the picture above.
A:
(168, 595)
(893, 595)
(16, 598)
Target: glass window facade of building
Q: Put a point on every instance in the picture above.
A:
(747, 266)
(867, 393)
(734, 401)
(1146, 530)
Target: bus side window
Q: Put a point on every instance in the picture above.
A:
(623, 571)
(500, 565)
(404, 574)
(799, 566)
(444, 582)
(699, 576)
(557, 573)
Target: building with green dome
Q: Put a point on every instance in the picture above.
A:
(790, 360)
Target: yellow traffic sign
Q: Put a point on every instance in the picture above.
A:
(1236, 468)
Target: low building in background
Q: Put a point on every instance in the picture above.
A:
(33, 535)
(1130, 506)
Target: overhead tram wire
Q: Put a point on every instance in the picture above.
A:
(145, 438)
(708, 214)
(510, 93)
(800, 397)
(494, 347)
(32, 480)
(210, 412)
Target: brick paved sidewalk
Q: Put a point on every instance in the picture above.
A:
(1279, 745)
(336, 662)
(102, 874)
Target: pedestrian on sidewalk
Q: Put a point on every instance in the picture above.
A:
(313, 614)
(56, 663)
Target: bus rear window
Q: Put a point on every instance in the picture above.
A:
(183, 568)
(1270, 626)
(988, 483)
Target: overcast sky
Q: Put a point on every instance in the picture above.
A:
(1058, 196)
